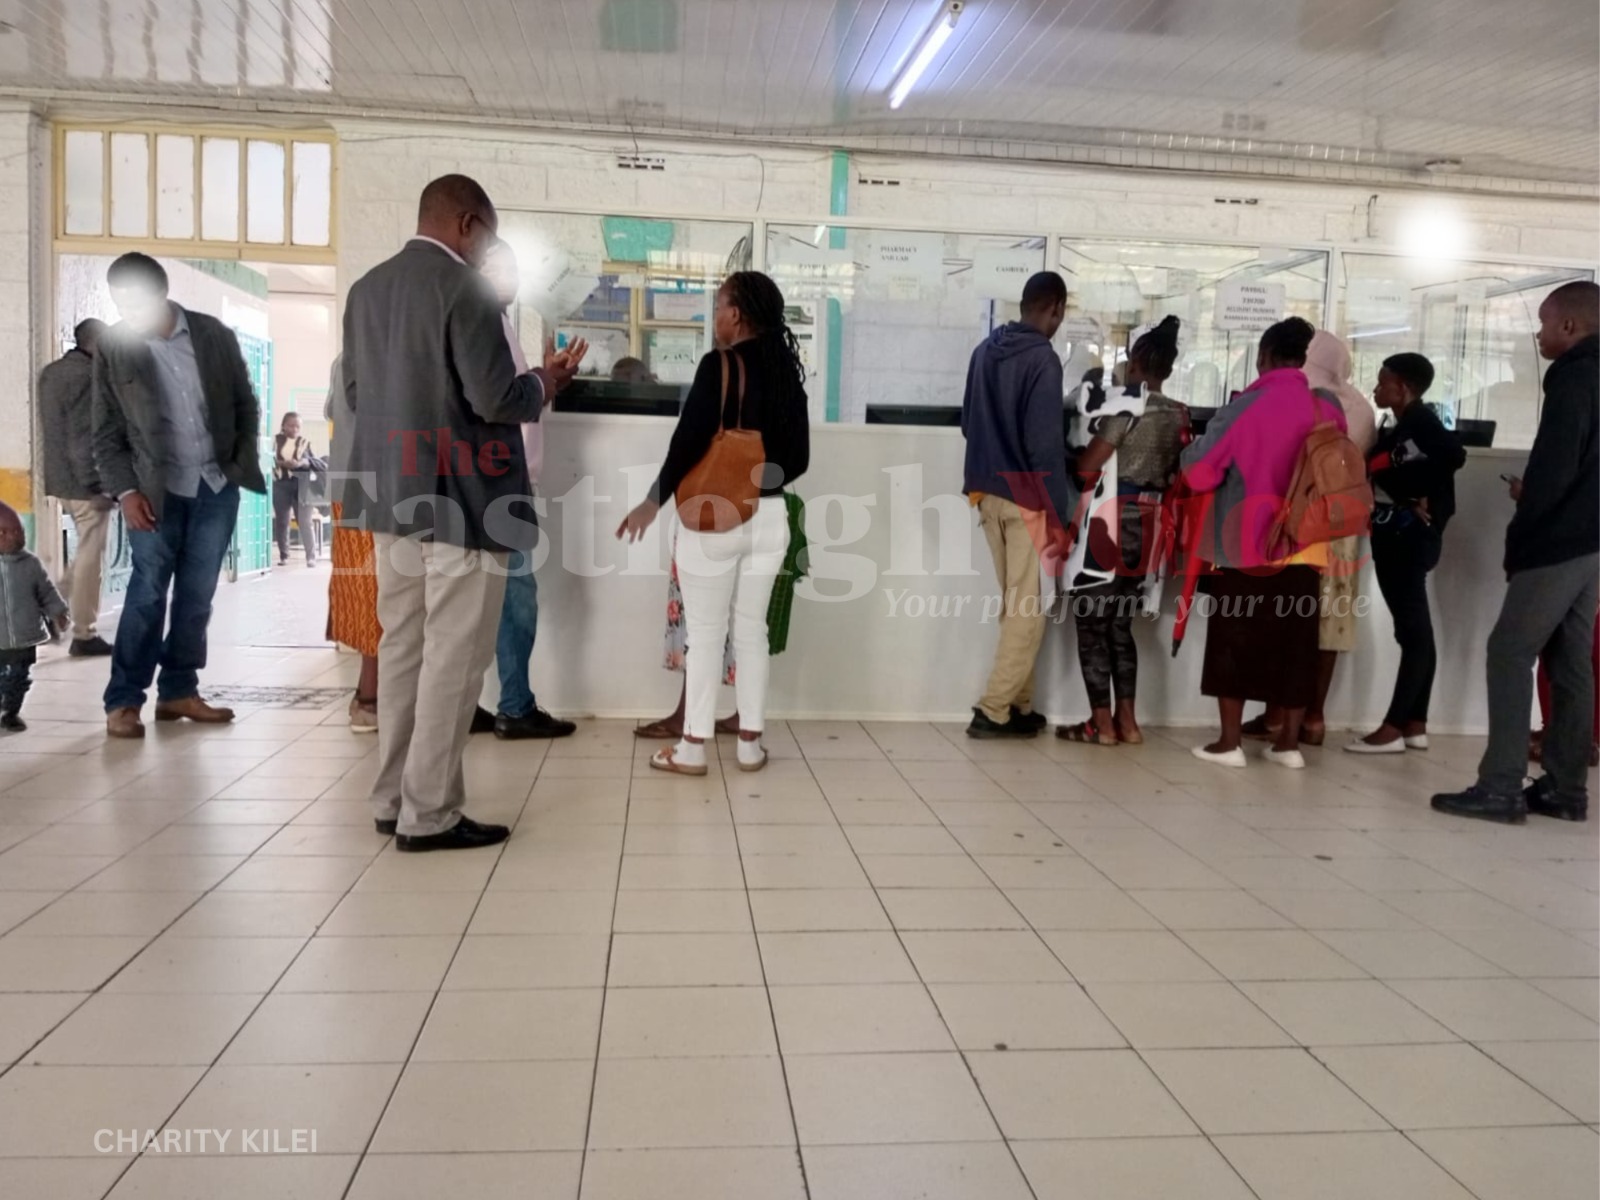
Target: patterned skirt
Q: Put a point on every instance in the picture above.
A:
(677, 636)
(353, 590)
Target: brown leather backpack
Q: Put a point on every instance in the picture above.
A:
(722, 490)
(1329, 496)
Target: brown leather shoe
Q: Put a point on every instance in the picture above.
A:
(192, 708)
(124, 723)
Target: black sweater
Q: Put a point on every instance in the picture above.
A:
(785, 431)
(1417, 458)
(1558, 517)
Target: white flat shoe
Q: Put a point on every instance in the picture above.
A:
(1419, 742)
(1292, 759)
(1228, 758)
(1398, 746)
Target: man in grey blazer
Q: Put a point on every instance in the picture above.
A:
(66, 421)
(443, 486)
(175, 427)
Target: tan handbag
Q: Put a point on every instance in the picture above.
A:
(722, 490)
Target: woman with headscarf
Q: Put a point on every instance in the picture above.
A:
(1146, 449)
(1328, 368)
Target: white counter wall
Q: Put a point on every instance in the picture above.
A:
(602, 605)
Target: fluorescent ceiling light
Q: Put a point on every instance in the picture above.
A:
(932, 42)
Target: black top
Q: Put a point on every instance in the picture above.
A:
(1558, 517)
(785, 430)
(1417, 458)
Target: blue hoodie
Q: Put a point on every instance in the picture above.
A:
(1012, 418)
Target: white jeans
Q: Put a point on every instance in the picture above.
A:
(719, 571)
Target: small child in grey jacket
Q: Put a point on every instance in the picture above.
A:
(31, 611)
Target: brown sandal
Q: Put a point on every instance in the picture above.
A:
(1136, 738)
(1257, 727)
(658, 731)
(1085, 734)
(663, 760)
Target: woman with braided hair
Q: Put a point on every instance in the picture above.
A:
(733, 571)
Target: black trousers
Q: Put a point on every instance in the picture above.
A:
(1402, 556)
(16, 677)
(1107, 654)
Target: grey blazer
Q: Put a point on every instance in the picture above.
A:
(127, 410)
(66, 419)
(426, 363)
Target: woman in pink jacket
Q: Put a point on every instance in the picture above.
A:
(1261, 631)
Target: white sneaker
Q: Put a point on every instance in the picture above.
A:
(1292, 759)
(1418, 742)
(1398, 746)
(1228, 758)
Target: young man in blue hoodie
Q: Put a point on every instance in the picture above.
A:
(1016, 477)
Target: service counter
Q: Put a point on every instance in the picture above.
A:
(896, 620)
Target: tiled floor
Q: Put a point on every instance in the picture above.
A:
(896, 964)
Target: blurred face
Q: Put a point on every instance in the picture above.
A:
(478, 236)
(1391, 392)
(726, 321)
(291, 426)
(500, 269)
(11, 538)
(1052, 323)
(1557, 334)
(144, 310)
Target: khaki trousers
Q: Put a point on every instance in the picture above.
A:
(80, 582)
(1011, 533)
(439, 606)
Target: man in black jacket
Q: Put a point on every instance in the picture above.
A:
(175, 426)
(1552, 556)
(66, 421)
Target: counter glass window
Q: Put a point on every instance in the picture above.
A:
(640, 290)
(887, 319)
(1476, 322)
(1224, 295)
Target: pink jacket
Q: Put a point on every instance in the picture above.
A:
(1247, 458)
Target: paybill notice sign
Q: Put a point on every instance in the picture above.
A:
(1246, 306)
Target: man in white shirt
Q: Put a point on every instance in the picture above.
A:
(519, 713)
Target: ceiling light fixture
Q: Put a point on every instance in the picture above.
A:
(927, 50)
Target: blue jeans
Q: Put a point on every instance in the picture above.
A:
(184, 553)
(519, 625)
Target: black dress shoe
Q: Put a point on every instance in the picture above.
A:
(482, 721)
(1483, 806)
(1035, 721)
(386, 828)
(12, 723)
(1543, 800)
(537, 724)
(465, 834)
(95, 647)
(983, 727)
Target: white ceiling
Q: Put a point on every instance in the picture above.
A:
(1510, 87)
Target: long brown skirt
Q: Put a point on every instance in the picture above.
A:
(1261, 636)
(353, 590)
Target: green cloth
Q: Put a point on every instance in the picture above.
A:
(796, 563)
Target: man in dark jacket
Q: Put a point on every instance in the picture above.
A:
(1016, 477)
(175, 426)
(438, 450)
(66, 421)
(1552, 559)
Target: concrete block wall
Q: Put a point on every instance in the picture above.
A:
(25, 325)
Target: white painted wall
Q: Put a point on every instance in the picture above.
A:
(304, 342)
(602, 605)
